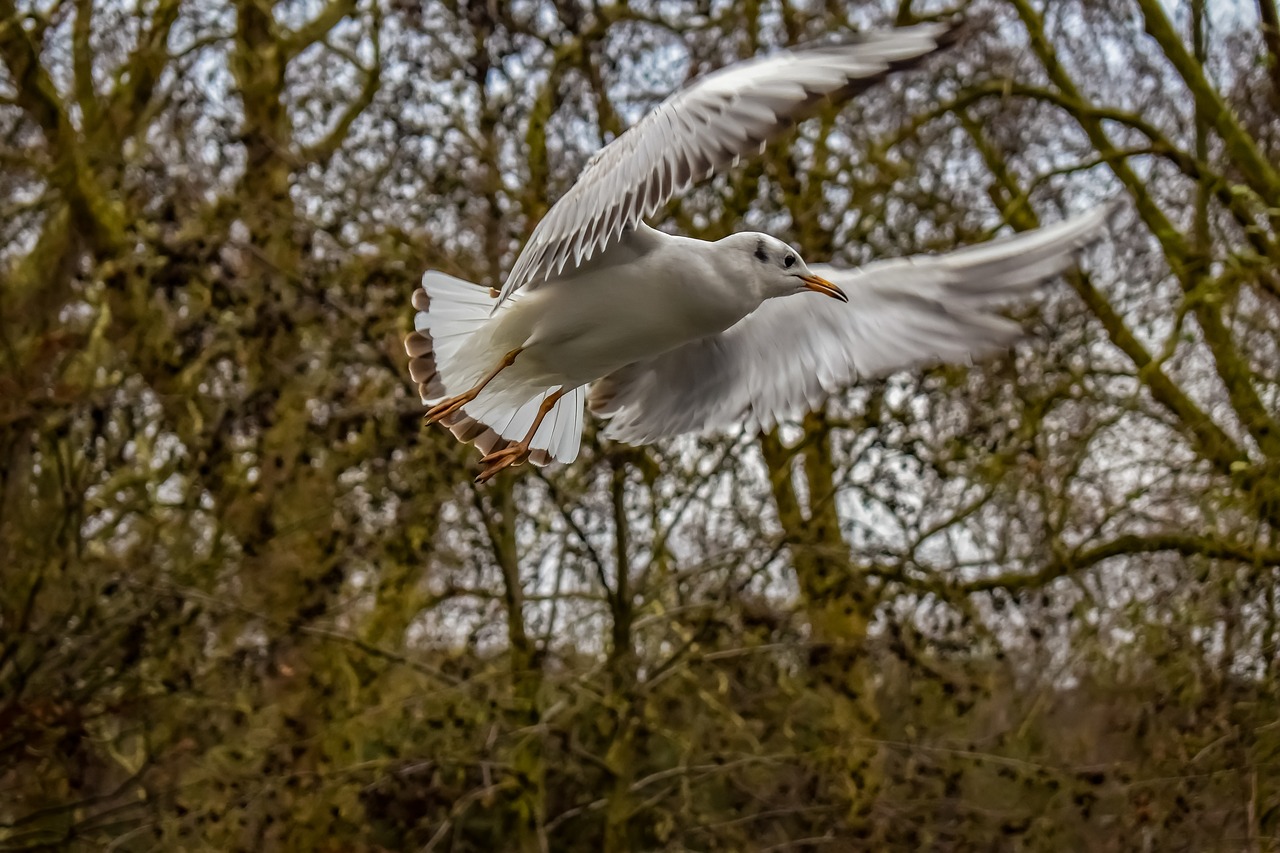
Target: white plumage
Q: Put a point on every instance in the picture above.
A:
(680, 334)
(726, 115)
(790, 354)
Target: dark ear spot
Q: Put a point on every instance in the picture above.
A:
(760, 252)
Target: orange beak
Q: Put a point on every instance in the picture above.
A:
(821, 285)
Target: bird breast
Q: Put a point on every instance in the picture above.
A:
(586, 326)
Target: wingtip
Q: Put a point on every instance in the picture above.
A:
(895, 48)
(942, 33)
(1091, 222)
(951, 29)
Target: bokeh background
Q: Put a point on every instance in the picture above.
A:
(248, 603)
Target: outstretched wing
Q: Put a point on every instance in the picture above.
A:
(700, 129)
(793, 351)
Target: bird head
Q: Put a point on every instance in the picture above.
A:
(776, 269)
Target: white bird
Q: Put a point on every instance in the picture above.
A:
(681, 334)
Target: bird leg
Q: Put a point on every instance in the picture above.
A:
(514, 454)
(447, 407)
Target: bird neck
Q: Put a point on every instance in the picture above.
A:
(718, 284)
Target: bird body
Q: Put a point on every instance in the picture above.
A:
(604, 315)
(675, 334)
(599, 318)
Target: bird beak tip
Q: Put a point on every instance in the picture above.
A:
(818, 284)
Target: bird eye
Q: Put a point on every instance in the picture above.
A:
(788, 261)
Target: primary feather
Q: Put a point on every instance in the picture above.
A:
(697, 131)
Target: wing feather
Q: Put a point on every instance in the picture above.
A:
(791, 353)
(707, 126)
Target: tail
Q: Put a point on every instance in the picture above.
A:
(446, 359)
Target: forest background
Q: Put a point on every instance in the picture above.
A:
(248, 603)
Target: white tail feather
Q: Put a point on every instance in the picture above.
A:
(445, 361)
(451, 313)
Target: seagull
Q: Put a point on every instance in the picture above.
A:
(671, 334)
